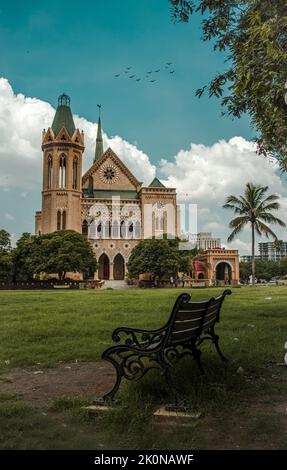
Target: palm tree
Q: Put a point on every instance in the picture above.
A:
(255, 209)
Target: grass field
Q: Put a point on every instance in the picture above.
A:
(241, 410)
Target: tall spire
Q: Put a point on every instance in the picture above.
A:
(99, 142)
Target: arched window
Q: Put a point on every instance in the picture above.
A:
(137, 230)
(115, 229)
(159, 222)
(50, 171)
(99, 232)
(85, 229)
(123, 229)
(58, 220)
(75, 173)
(62, 172)
(130, 231)
(64, 217)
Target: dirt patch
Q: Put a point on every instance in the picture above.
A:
(41, 386)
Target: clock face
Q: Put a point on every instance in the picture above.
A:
(109, 174)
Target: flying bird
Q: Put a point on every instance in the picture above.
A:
(150, 71)
(157, 70)
(132, 76)
(172, 71)
(152, 81)
(117, 75)
(168, 63)
(138, 79)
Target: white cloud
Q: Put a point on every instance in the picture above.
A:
(202, 175)
(22, 120)
(206, 175)
(9, 216)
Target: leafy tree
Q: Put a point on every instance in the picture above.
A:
(264, 269)
(56, 253)
(5, 241)
(6, 264)
(64, 251)
(253, 34)
(158, 257)
(256, 210)
(26, 257)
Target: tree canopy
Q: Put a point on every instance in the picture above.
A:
(55, 253)
(158, 257)
(63, 251)
(253, 34)
(6, 263)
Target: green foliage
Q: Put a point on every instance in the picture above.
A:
(264, 269)
(6, 263)
(5, 241)
(63, 251)
(56, 253)
(25, 257)
(158, 257)
(253, 34)
(253, 209)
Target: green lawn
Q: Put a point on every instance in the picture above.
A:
(47, 327)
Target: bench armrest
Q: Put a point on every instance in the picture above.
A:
(139, 337)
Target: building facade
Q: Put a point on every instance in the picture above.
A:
(272, 251)
(205, 241)
(107, 204)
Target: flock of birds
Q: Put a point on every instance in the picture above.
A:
(149, 75)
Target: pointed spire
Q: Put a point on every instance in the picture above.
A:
(99, 142)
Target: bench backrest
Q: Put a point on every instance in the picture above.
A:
(189, 319)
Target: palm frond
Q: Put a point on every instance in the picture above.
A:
(235, 232)
(263, 229)
(271, 219)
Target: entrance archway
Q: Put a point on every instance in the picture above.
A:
(104, 267)
(223, 273)
(119, 267)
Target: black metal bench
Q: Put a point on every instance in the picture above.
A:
(189, 324)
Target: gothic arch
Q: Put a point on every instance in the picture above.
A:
(104, 266)
(62, 171)
(119, 267)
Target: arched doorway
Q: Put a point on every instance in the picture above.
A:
(223, 273)
(104, 267)
(201, 276)
(119, 267)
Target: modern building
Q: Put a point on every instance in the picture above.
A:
(248, 258)
(205, 241)
(272, 251)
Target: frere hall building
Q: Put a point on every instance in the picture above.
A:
(108, 204)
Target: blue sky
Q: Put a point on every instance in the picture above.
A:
(47, 48)
(50, 47)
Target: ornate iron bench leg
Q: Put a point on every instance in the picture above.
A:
(197, 354)
(110, 395)
(215, 340)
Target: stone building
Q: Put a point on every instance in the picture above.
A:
(219, 266)
(107, 204)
